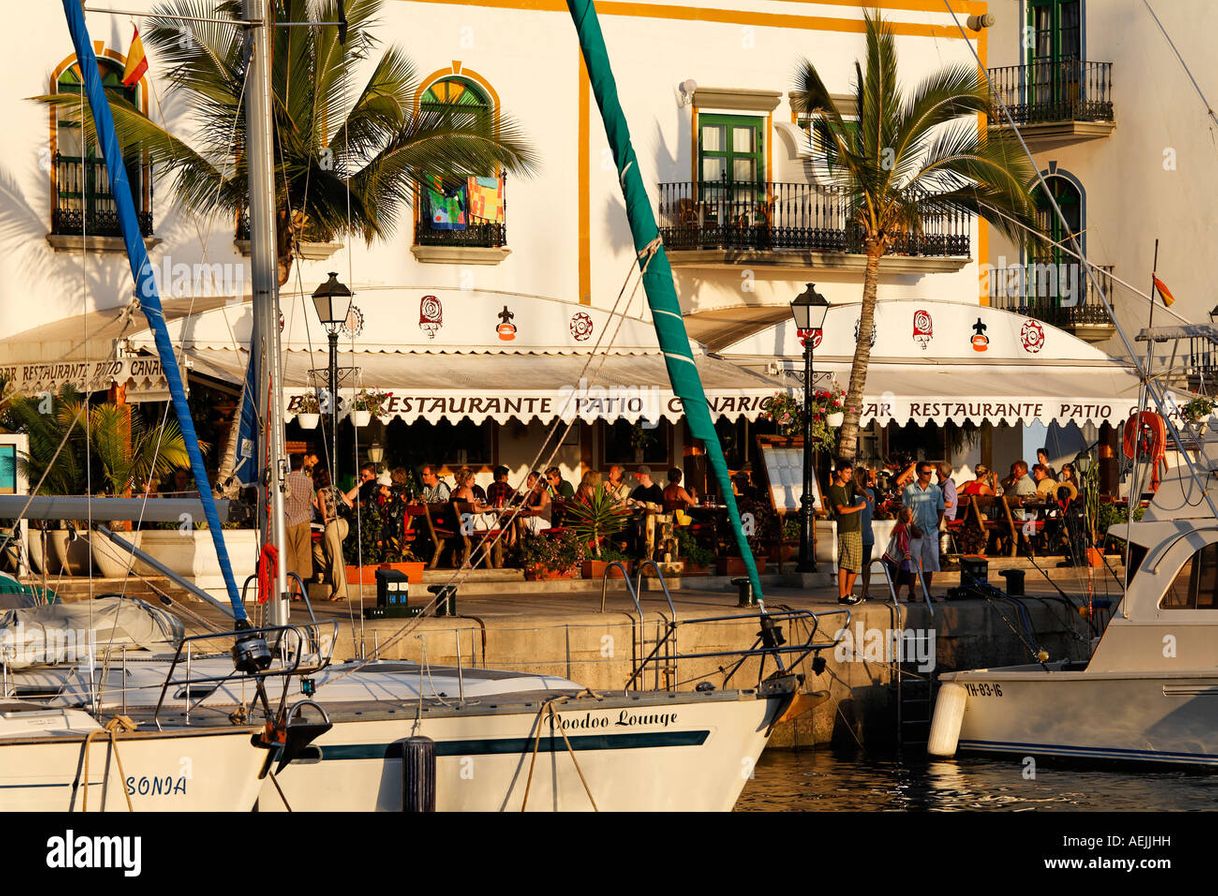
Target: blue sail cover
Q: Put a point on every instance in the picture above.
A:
(245, 467)
(145, 282)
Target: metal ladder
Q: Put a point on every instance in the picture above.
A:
(912, 690)
(644, 649)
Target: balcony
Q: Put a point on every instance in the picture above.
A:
(314, 246)
(1058, 294)
(472, 239)
(83, 211)
(714, 224)
(1054, 102)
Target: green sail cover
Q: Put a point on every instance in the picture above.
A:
(657, 276)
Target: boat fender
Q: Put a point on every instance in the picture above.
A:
(418, 774)
(948, 718)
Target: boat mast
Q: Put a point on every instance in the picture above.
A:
(265, 278)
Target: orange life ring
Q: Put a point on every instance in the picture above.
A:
(1147, 431)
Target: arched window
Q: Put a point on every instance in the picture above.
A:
(1053, 277)
(82, 198)
(1196, 585)
(473, 214)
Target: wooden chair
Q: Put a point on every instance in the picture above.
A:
(443, 528)
(478, 538)
(992, 528)
(1018, 528)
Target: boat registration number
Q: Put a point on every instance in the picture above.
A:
(982, 689)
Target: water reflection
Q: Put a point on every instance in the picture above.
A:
(819, 780)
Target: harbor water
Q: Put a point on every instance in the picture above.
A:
(820, 781)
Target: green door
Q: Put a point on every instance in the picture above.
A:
(731, 171)
(1054, 54)
(1068, 199)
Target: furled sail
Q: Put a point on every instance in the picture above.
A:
(657, 274)
(145, 283)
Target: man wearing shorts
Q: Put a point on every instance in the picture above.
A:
(926, 500)
(847, 506)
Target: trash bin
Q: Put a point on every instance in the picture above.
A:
(974, 571)
(1014, 579)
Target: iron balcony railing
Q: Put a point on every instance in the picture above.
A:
(779, 216)
(1051, 91)
(480, 235)
(1058, 293)
(83, 202)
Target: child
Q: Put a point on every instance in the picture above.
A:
(897, 557)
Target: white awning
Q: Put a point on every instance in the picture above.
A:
(513, 385)
(934, 362)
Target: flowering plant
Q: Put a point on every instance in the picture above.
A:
(787, 411)
(372, 401)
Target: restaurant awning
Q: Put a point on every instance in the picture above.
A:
(447, 355)
(934, 362)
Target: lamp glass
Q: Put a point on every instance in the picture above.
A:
(809, 309)
(333, 301)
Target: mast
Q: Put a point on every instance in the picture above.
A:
(657, 273)
(265, 279)
(145, 283)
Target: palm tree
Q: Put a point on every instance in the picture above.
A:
(347, 158)
(905, 156)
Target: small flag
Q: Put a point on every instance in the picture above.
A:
(137, 62)
(1164, 292)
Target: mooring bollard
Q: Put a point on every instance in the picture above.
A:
(446, 599)
(419, 774)
(746, 592)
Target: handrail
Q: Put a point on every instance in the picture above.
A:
(663, 584)
(629, 587)
(292, 659)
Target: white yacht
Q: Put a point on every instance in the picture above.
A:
(1148, 693)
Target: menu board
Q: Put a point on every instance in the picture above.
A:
(784, 469)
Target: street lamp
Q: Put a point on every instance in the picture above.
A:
(809, 310)
(333, 302)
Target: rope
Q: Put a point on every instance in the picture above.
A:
(547, 708)
(110, 731)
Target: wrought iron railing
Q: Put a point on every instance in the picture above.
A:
(484, 235)
(1052, 91)
(83, 202)
(1058, 293)
(781, 216)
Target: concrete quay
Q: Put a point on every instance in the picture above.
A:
(557, 628)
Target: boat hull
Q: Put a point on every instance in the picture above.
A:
(203, 771)
(1148, 717)
(662, 752)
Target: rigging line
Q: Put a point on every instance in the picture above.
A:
(459, 575)
(1209, 108)
(1159, 395)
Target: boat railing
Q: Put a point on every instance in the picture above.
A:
(295, 650)
(770, 643)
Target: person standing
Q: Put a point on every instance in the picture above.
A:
(925, 499)
(298, 515)
(848, 507)
(328, 554)
(864, 484)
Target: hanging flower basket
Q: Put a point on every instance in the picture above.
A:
(308, 421)
(835, 419)
(361, 418)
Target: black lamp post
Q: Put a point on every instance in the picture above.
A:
(809, 310)
(333, 302)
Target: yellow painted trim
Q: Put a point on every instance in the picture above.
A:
(585, 177)
(720, 16)
(693, 148)
(769, 150)
(458, 71)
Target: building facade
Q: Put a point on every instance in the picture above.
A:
(707, 92)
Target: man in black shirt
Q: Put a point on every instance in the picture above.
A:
(647, 491)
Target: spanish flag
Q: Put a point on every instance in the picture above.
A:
(137, 62)
(1164, 292)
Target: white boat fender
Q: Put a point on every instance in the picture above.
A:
(947, 720)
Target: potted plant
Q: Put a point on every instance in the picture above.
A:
(594, 522)
(551, 556)
(308, 411)
(828, 413)
(1197, 413)
(367, 405)
(697, 558)
(374, 549)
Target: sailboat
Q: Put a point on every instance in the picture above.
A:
(342, 743)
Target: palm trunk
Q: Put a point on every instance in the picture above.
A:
(848, 438)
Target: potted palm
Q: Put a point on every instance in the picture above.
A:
(595, 521)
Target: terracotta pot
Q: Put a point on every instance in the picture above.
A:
(41, 555)
(541, 574)
(111, 560)
(308, 421)
(595, 569)
(366, 574)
